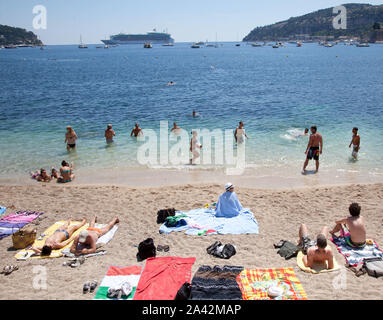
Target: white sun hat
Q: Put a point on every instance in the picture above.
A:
(228, 186)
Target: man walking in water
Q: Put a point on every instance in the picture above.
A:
(314, 148)
(109, 134)
(355, 142)
(136, 130)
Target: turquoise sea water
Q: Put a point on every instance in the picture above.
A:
(276, 92)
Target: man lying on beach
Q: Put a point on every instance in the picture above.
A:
(314, 148)
(85, 242)
(136, 130)
(109, 134)
(59, 239)
(355, 225)
(315, 251)
(228, 204)
(355, 142)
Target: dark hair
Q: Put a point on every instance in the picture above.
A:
(46, 251)
(64, 163)
(355, 128)
(314, 127)
(354, 209)
(321, 241)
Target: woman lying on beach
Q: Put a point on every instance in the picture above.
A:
(66, 173)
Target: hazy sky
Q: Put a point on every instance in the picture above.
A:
(186, 20)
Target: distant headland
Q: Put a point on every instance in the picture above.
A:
(12, 36)
(364, 22)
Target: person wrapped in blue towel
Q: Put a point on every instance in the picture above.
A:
(228, 204)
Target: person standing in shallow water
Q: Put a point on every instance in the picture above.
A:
(136, 131)
(70, 138)
(355, 142)
(109, 134)
(314, 148)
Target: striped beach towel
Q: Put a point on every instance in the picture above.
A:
(114, 277)
(15, 221)
(254, 284)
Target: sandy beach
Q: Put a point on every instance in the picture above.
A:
(278, 212)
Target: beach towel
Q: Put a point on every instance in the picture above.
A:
(355, 256)
(203, 221)
(2, 210)
(255, 283)
(217, 283)
(115, 276)
(162, 277)
(15, 221)
(28, 253)
(228, 205)
(316, 268)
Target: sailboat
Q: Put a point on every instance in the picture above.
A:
(81, 45)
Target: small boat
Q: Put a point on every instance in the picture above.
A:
(276, 46)
(256, 44)
(11, 46)
(99, 47)
(328, 45)
(237, 44)
(200, 43)
(81, 45)
(299, 44)
(195, 46)
(363, 45)
(148, 45)
(168, 44)
(106, 47)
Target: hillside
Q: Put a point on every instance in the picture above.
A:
(360, 21)
(11, 35)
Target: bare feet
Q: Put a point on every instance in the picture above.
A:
(116, 219)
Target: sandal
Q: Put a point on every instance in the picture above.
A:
(166, 248)
(93, 285)
(86, 287)
(160, 248)
(9, 269)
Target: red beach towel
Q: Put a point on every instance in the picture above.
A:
(163, 277)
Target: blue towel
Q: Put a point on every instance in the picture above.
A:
(242, 223)
(2, 210)
(228, 205)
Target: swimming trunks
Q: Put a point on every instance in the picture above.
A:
(66, 233)
(353, 244)
(313, 153)
(354, 150)
(307, 243)
(72, 145)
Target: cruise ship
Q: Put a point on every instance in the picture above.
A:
(150, 37)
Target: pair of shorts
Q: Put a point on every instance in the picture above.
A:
(72, 145)
(307, 243)
(313, 153)
(66, 233)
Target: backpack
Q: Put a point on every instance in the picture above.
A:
(184, 292)
(221, 251)
(374, 266)
(164, 213)
(146, 249)
(287, 249)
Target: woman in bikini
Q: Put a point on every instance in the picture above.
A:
(66, 173)
(70, 138)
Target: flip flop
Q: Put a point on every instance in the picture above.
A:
(93, 285)
(160, 248)
(166, 248)
(86, 287)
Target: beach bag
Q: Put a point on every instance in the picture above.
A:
(228, 251)
(24, 237)
(288, 250)
(146, 249)
(374, 266)
(184, 292)
(164, 213)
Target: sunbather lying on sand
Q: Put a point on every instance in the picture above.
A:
(355, 225)
(59, 239)
(85, 242)
(315, 251)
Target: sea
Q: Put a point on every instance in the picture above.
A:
(276, 92)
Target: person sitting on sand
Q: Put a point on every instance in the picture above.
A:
(54, 174)
(85, 242)
(59, 239)
(355, 225)
(228, 204)
(70, 138)
(109, 134)
(43, 176)
(136, 131)
(66, 173)
(315, 251)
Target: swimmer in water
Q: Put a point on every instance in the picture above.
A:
(109, 134)
(175, 128)
(171, 83)
(136, 131)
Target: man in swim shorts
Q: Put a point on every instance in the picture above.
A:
(136, 130)
(59, 239)
(315, 251)
(355, 142)
(109, 134)
(314, 148)
(355, 226)
(85, 242)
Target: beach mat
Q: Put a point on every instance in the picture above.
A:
(203, 219)
(254, 284)
(163, 277)
(217, 283)
(316, 268)
(114, 277)
(15, 221)
(28, 253)
(355, 256)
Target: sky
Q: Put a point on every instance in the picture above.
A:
(185, 20)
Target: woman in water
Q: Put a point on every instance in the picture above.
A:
(70, 138)
(240, 133)
(193, 147)
(66, 173)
